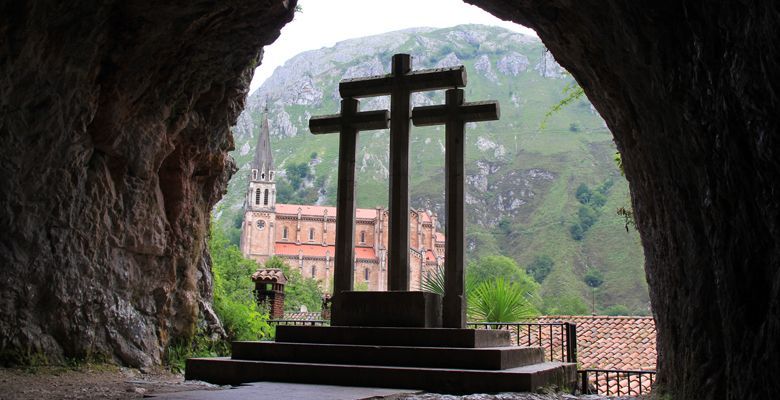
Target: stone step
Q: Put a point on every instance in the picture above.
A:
(386, 336)
(492, 358)
(226, 371)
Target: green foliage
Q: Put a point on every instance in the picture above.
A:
(434, 282)
(299, 290)
(593, 278)
(566, 305)
(234, 300)
(296, 173)
(201, 345)
(490, 268)
(583, 193)
(500, 300)
(572, 92)
(540, 267)
(616, 310)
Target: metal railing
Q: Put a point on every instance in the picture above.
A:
(613, 382)
(558, 339)
(299, 322)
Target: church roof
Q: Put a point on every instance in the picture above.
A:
(318, 211)
(318, 250)
(263, 160)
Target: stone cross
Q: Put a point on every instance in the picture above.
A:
(348, 124)
(454, 114)
(400, 84)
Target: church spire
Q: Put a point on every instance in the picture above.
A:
(263, 161)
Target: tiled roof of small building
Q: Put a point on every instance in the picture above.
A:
(273, 275)
(607, 342)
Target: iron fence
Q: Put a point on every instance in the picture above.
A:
(613, 382)
(558, 339)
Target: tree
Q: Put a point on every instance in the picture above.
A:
(234, 301)
(576, 232)
(299, 290)
(492, 267)
(566, 305)
(583, 193)
(593, 278)
(540, 267)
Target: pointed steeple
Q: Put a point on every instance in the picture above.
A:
(263, 161)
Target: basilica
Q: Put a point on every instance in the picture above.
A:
(304, 235)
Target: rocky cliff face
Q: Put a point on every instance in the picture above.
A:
(690, 93)
(113, 148)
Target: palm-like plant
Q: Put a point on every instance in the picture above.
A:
(499, 301)
(434, 282)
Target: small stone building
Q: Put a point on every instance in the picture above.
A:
(269, 290)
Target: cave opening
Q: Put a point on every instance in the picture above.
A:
(688, 91)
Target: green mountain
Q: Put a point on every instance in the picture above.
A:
(539, 195)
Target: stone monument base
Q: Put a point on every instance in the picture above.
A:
(387, 309)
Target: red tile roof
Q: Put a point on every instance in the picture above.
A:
(274, 275)
(318, 211)
(429, 256)
(606, 342)
(318, 250)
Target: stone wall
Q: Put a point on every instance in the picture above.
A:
(114, 135)
(690, 92)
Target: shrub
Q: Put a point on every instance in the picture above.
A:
(540, 267)
(500, 300)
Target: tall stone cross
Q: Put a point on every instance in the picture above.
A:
(400, 84)
(348, 124)
(454, 114)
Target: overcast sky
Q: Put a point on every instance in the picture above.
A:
(323, 23)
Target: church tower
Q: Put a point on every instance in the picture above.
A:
(257, 231)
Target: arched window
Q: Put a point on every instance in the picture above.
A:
(367, 274)
(254, 174)
(257, 196)
(313, 271)
(265, 198)
(311, 234)
(262, 176)
(284, 233)
(271, 175)
(362, 236)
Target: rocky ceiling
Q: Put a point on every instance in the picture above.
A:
(113, 147)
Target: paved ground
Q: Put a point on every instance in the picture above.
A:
(110, 382)
(288, 391)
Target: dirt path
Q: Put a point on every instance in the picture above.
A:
(90, 382)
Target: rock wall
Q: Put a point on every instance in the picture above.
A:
(690, 92)
(114, 135)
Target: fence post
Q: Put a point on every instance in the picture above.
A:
(571, 342)
(584, 379)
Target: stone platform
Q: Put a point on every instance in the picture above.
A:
(432, 359)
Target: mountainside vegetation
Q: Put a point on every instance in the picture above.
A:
(541, 188)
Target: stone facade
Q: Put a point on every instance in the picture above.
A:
(305, 236)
